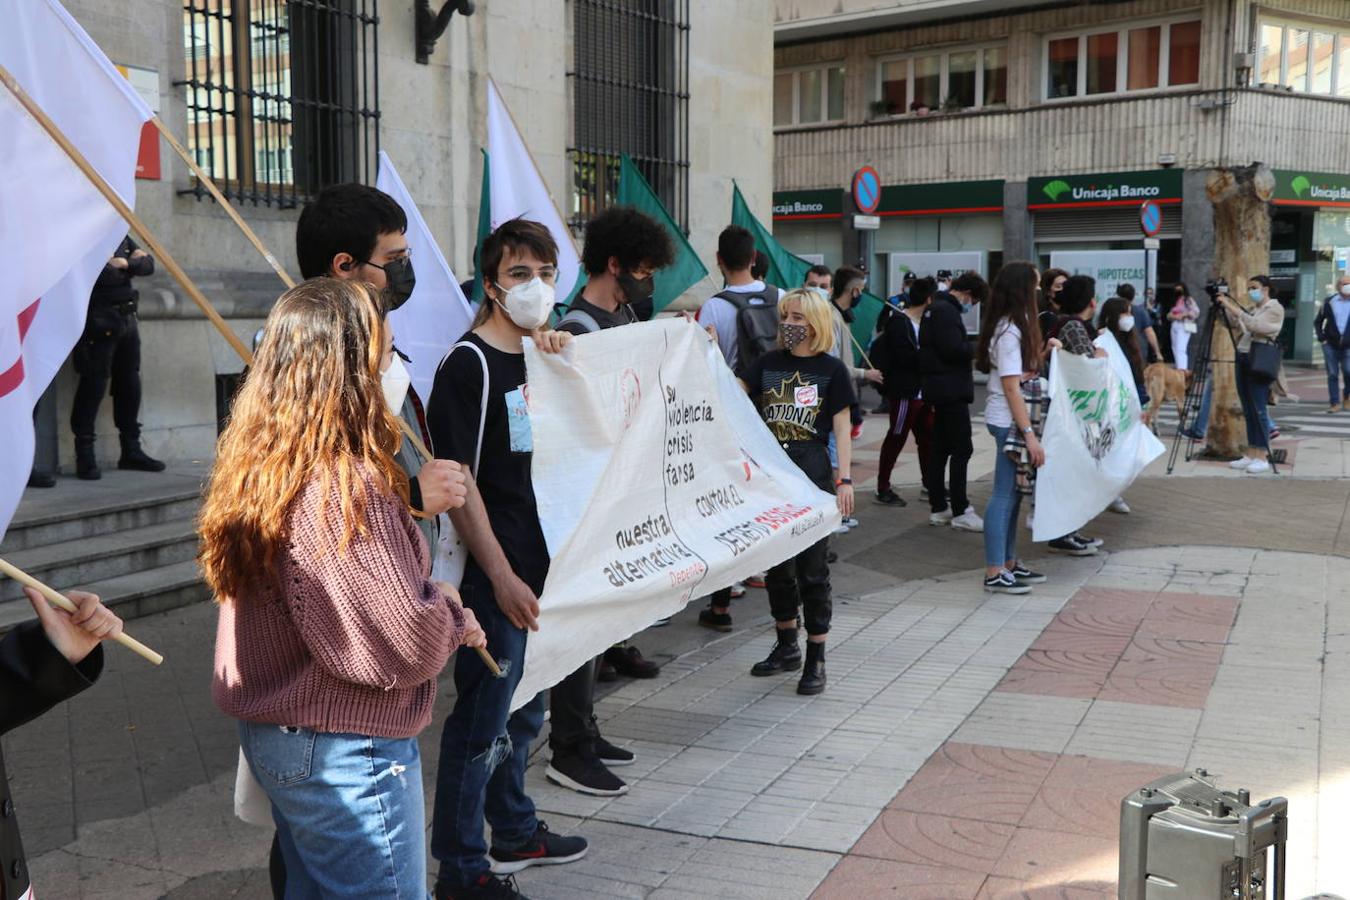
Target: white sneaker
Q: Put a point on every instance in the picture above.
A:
(941, 518)
(1031, 521)
(1119, 505)
(841, 529)
(850, 522)
(1258, 467)
(1241, 463)
(968, 521)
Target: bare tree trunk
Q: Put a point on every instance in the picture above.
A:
(1241, 198)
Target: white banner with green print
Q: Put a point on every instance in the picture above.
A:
(1095, 444)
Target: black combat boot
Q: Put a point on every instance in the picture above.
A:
(136, 459)
(86, 466)
(785, 656)
(813, 674)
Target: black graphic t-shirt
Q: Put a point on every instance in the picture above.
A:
(799, 396)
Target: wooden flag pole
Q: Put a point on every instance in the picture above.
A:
(152, 245)
(61, 602)
(211, 189)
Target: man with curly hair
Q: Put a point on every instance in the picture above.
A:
(624, 249)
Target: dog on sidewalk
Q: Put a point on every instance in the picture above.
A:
(1164, 383)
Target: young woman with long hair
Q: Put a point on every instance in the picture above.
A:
(330, 635)
(1010, 352)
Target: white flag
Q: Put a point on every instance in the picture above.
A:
(436, 315)
(656, 481)
(53, 221)
(518, 190)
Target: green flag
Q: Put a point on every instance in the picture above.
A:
(484, 229)
(687, 269)
(788, 271)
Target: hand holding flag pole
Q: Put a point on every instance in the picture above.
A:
(61, 602)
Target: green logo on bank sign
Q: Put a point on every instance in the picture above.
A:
(1300, 184)
(1056, 189)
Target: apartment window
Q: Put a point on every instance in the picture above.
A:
(965, 78)
(1306, 58)
(282, 95)
(809, 96)
(630, 84)
(1137, 58)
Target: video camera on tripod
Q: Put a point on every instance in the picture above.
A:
(1216, 287)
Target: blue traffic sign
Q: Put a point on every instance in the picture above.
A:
(1150, 218)
(866, 190)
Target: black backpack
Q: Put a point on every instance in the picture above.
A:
(756, 323)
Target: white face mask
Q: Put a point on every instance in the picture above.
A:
(820, 290)
(1345, 290)
(395, 381)
(1125, 323)
(944, 286)
(529, 304)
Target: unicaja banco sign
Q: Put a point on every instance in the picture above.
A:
(822, 204)
(1114, 189)
(1311, 189)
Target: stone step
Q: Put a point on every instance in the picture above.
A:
(84, 561)
(132, 595)
(120, 502)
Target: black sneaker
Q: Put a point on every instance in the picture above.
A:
(610, 755)
(715, 620)
(582, 773)
(1072, 546)
(1005, 583)
(1090, 541)
(782, 658)
(544, 849)
(629, 661)
(1025, 575)
(489, 887)
(889, 497)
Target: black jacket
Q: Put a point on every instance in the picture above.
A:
(900, 349)
(944, 354)
(34, 677)
(1325, 327)
(114, 285)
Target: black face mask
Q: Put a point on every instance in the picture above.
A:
(846, 313)
(399, 281)
(635, 290)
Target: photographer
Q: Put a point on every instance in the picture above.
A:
(1258, 363)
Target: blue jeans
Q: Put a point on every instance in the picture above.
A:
(1206, 399)
(484, 749)
(1000, 516)
(348, 808)
(1254, 396)
(1338, 363)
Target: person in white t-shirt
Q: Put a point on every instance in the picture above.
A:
(1010, 352)
(735, 256)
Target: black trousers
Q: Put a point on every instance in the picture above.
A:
(950, 442)
(571, 705)
(803, 581)
(108, 351)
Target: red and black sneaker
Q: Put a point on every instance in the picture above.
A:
(544, 849)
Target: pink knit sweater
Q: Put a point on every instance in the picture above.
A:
(347, 642)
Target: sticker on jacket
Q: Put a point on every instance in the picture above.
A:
(518, 420)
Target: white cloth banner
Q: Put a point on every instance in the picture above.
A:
(1095, 444)
(436, 315)
(518, 190)
(56, 228)
(656, 481)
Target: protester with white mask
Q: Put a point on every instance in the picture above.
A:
(479, 416)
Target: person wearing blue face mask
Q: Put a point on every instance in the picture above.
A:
(1334, 336)
(1259, 323)
(820, 280)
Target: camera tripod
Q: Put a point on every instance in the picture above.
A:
(1201, 359)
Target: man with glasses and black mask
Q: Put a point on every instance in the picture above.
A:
(351, 231)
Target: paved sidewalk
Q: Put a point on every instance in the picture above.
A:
(1043, 710)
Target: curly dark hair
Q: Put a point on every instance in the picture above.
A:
(631, 236)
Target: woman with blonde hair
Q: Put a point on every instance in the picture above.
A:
(804, 394)
(330, 635)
